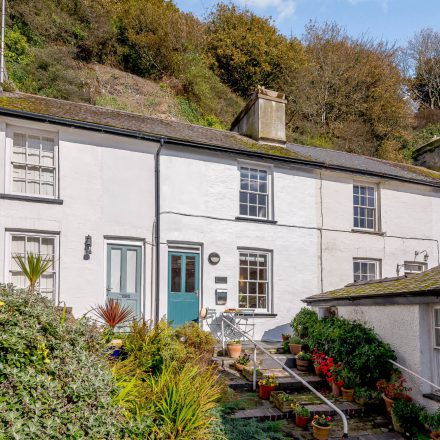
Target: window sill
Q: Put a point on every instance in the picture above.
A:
(265, 315)
(255, 220)
(366, 231)
(31, 199)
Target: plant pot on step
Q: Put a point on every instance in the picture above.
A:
(239, 367)
(302, 365)
(301, 421)
(265, 390)
(388, 404)
(295, 348)
(347, 394)
(318, 370)
(234, 349)
(321, 432)
(336, 389)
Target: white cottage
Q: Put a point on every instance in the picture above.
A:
(242, 219)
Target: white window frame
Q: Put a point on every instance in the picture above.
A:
(377, 265)
(376, 217)
(435, 327)
(268, 282)
(40, 235)
(414, 263)
(268, 194)
(29, 131)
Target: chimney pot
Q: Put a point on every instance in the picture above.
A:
(263, 118)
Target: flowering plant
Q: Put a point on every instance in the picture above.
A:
(319, 358)
(303, 356)
(322, 421)
(395, 389)
(268, 381)
(334, 375)
(244, 359)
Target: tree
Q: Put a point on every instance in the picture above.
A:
(246, 50)
(347, 95)
(33, 267)
(422, 65)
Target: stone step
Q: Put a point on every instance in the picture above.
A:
(267, 363)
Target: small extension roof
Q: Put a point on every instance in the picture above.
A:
(122, 123)
(420, 284)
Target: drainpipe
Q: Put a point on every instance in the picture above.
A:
(157, 229)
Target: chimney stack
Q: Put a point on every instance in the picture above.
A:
(263, 118)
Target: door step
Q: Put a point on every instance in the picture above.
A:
(432, 396)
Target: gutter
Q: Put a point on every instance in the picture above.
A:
(71, 123)
(157, 229)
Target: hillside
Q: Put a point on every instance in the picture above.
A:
(149, 57)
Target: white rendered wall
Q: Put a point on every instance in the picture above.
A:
(107, 188)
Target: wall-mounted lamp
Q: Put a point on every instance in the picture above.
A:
(425, 257)
(214, 258)
(87, 247)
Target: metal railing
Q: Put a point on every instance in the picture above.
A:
(401, 367)
(288, 370)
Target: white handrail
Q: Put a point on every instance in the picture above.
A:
(292, 373)
(415, 374)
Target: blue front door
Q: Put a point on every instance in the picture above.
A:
(183, 287)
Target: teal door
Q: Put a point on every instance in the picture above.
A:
(183, 287)
(124, 265)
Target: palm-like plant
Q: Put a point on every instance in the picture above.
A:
(113, 314)
(33, 267)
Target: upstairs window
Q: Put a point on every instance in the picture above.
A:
(364, 207)
(414, 267)
(437, 327)
(33, 164)
(365, 270)
(254, 193)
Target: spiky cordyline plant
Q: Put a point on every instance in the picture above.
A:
(113, 314)
(33, 267)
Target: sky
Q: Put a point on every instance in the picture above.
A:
(393, 20)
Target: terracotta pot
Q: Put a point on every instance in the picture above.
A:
(336, 389)
(234, 350)
(285, 337)
(302, 365)
(295, 348)
(388, 404)
(318, 370)
(347, 394)
(321, 432)
(301, 421)
(265, 390)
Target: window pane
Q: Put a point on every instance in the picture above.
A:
(437, 318)
(47, 151)
(115, 270)
(253, 273)
(176, 273)
(437, 337)
(252, 210)
(19, 148)
(261, 302)
(252, 301)
(33, 150)
(190, 275)
(131, 270)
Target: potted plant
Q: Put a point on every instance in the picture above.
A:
(350, 382)
(286, 336)
(364, 396)
(321, 427)
(295, 344)
(393, 390)
(112, 313)
(266, 386)
(302, 415)
(407, 418)
(234, 348)
(318, 359)
(303, 360)
(334, 379)
(242, 361)
(432, 421)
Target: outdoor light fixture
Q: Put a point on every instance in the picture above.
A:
(214, 258)
(87, 247)
(425, 257)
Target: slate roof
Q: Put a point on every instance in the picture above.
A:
(414, 284)
(58, 111)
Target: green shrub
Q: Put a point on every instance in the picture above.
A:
(408, 416)
(54, 382)
(349, 342)
(237, 429)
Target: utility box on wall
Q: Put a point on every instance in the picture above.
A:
(221, 297)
